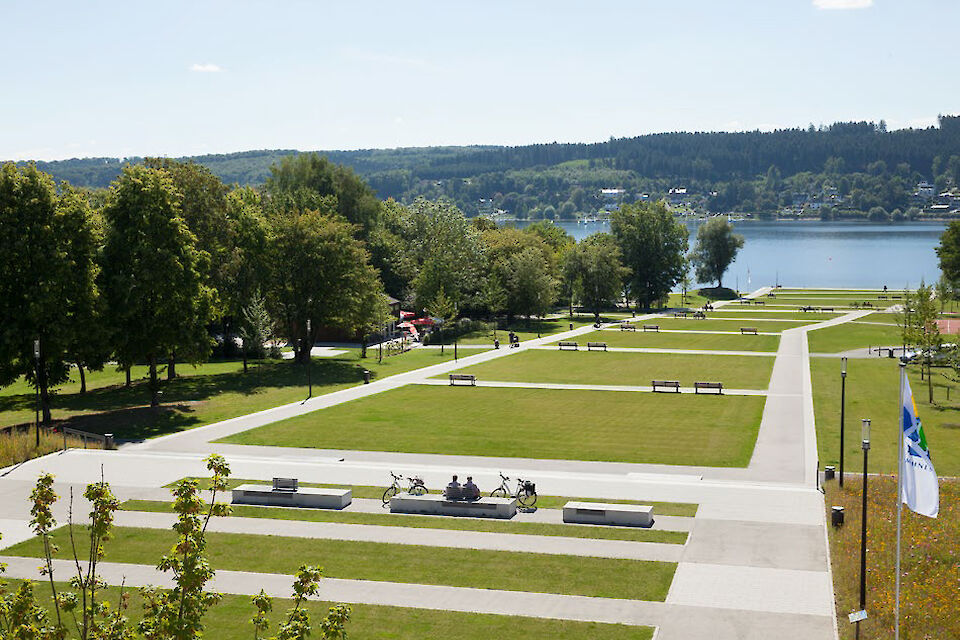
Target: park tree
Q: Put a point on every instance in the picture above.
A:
(654, 246)
(918, 323)
(157, 300)
(304, 180)
(525, 277)
(245, 267)
(318, 271)
(48, 293)
(716, 248)
(949, 253)
(594, 268)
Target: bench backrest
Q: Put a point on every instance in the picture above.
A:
(285, 484)
(462, 376)
(665, 383)
(596, 344)
(708, 385)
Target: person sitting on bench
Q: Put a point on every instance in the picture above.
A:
(453, 490)
(470, 490)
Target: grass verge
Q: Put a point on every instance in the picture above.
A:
(846, 336)
(531, 423)
(508, 570)
(930, 585)
(702, 341)
(20, 445)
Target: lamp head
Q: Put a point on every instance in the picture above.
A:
(865, 433)
(843, 366)
(36, 348)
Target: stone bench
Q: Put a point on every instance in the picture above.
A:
(596, 345)
(624, 515)
(628, 327)
(746, 330)
(717, 386)
(651, 327)
(463, 377)
(567, 345)
(435, 504)
(305, 497)
(668, 384)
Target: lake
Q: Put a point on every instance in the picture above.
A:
(822, 254)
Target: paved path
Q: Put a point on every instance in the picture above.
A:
(587, 387)
(704, 352)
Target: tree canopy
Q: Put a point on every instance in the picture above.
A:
(654, 246)
(716, 248)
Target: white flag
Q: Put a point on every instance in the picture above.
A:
(919, 489)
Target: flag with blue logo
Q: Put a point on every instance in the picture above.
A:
(919, 489)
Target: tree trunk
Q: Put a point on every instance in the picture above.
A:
(929, 380)
(363, 347)
(244, 360)
(83, 377)
(127, 371)
(172, 366)
(154, 383)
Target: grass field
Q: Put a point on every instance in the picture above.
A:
(708, 341)
(638, 369)
(531, 423)
(387, 519)
(230, 620)
(872, 393)
(843, 337)
(888, 318)
(930, 584)
(802, 317)
(687, 509)
(718, 324)
(542, 573)
(209, 393)
(530, 329)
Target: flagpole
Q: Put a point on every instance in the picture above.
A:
(896, 608)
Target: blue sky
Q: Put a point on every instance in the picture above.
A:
(183, 78)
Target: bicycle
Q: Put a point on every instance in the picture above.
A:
(526, 493)
(415, 486)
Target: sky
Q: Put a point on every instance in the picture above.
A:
(173, 78)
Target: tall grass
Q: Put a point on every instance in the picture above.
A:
(18, 445)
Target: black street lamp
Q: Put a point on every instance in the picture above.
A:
(843, 402)
(36, 358)
(309, 360)
(865, 444)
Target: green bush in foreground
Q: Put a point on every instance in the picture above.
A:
(80, 611)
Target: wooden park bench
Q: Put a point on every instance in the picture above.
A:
(771, 295)
(759, 302)
(745, 330)
(628, 327)
(651, 327)
(881, 297)
(826, 308)
(596, 345)
(718, 386)
(679, 314)
(896, 297)
(806, 308)
(285, 484)
(463, 377)
(868, 304)
(700, 314)
(669, 384)
(567, 345)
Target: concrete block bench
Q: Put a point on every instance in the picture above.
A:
(624, 515)
(435, 504)
(305, 497)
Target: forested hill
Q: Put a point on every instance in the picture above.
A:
(747, 171)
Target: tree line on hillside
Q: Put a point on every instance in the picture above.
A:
(149, 271)
(873, 171)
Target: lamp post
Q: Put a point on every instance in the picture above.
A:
(865, 444)
(309, 360)
(843, 402)
(36, 359)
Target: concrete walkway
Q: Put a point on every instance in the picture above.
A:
(589, 387)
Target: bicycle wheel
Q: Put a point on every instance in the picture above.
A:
(418, 490)
(389, 493)
(499, 492)
(527, 499)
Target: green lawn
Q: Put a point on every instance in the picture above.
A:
(687, 509)
(846, 336)
(718, 324)
(638, 369)
(482, 569)
(872, 393)
(229, 619)
(428, 522)
(209, 393)
(531, 423)
(888, 318)
(530, 329)
(803, 317)
(708, 341)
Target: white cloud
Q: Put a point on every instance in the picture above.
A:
(206, 68)
(842, 4)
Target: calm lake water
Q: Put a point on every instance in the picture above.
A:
(822, 254)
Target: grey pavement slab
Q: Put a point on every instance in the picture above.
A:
(756, 544)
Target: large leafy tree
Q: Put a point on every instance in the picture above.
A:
(320, 272)
(949, 253)
(157, 299)
(48, 244)
(654, 246)
(304, 180)
(595, 273)
(716, 248)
